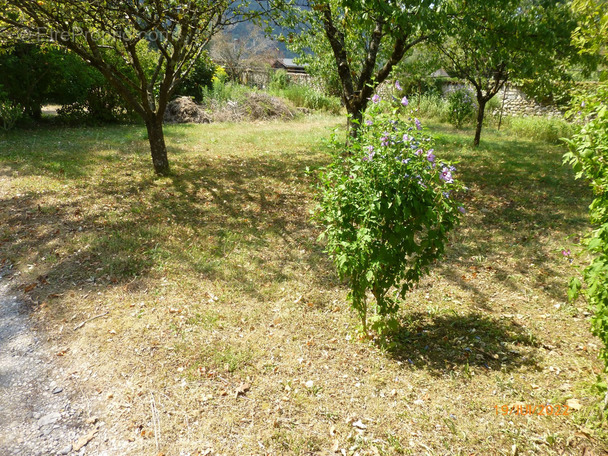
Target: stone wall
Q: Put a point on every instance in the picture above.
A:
(518, 103)
(513, 100)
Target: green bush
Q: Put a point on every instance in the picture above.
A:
(461, 107)
(588, 156)
(387, 205)
(199, 78)
(33, 75)
(550, 130)
(10, 113)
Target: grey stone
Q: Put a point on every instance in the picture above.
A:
(51, 418)
(66, 450)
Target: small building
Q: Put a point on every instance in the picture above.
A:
(289, 66)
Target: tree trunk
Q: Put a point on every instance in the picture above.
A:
(34, 111)
(480, 113)
(156, 137)
(355, 117)
(355, 107)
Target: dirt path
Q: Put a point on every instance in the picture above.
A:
(43, 411)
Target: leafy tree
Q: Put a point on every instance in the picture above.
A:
(591, 34)
(415, 70)
(32, 74)
(357, 43)
(199, 78)
(252, 49)
(107, 33)
(490, 43)
(588, 156)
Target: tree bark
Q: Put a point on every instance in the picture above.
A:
(355, 111)
(156, 137)
(480, 113)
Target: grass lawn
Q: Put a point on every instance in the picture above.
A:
(216, 299)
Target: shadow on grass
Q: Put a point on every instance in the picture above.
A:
(442, 343)
(523, 204)
(242, 220)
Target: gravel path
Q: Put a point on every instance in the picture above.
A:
(43, 410)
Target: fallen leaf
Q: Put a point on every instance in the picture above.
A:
(30, 287)
(574, 404)
(242, 389)
(82, 441)
(359, 425)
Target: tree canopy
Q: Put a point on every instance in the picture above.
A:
(356, 44)
(490, 43)
(159, 41)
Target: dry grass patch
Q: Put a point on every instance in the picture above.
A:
(222, 307)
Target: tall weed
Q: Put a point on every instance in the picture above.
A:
(549, 130)
(307, 97)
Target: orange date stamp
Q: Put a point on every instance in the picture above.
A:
(530, 409)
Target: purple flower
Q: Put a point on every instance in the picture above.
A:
(583, 104)
(446, 195)
(566, 253)
(406, 138)
(384, 140)
(397, 85)
(430, 156)
(418, 124)
(419, 152)
(462, 210)
(446, 175)
(369, 123)
(370, 156)
(404, 101)
(376, 98)
(405, 161)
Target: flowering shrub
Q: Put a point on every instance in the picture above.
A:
(461, 107)
(588, 156)
(387, 204)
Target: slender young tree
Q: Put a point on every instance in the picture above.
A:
(490, 43)
(109, 33)
(356, 43)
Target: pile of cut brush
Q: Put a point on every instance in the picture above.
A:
(253, 106)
